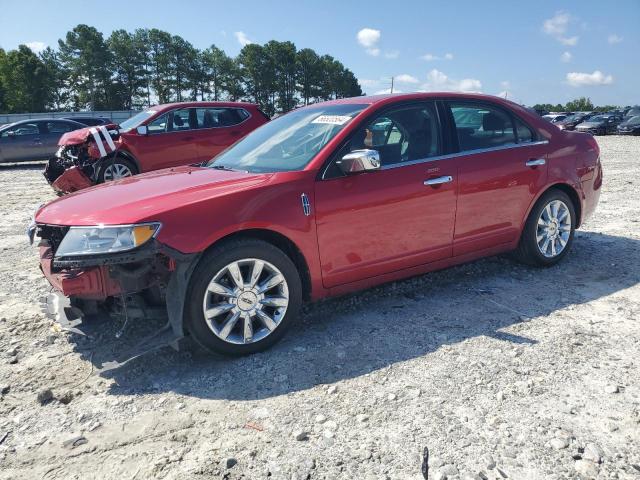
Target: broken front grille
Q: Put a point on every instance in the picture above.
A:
(52, 234)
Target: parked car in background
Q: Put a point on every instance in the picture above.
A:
(32, 140)
(630, 126)
(601, 124)
(632, 112)
(570, 122)
(163, 136)
(318, 203)
(555, 117)
(90, 121)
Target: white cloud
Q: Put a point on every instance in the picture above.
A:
(566, 57)
(367, 82)
(437, 80)
(430, 57)
(569, 41)
(374, 52)
(557, 27)
(579, 79)
(36, 47)
(242, 38)
(406, 78)
(368, 37)
(613, 39)
(392, 54)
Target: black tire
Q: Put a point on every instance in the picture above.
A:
(213, 262)
(117, 160)
(528, 251)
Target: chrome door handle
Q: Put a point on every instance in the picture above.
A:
(439, 180)
(536, 162)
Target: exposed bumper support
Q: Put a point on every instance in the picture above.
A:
(84, 275)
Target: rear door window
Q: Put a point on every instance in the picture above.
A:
(480, 126)
(525, 133)
(211, 117)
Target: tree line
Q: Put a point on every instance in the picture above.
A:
(135, 70)
(582, 104)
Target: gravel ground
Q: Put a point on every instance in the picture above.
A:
(500, 370)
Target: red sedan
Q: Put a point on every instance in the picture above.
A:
(325, 200)
(162, 136)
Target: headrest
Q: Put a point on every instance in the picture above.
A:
(177, 121)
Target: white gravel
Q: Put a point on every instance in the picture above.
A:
(500, 370)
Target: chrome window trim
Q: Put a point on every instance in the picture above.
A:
(463, 153)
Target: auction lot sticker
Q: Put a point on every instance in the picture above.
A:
(332, 119)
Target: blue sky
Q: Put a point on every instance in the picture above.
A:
(542, 51)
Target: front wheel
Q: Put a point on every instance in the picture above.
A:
(549, 230)
(243, 297)
(116, 168)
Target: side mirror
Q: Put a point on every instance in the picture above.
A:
(142, 130)
(11, 134)
(359, 161)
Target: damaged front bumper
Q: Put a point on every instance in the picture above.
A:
(65, 177)
(77, 162)
(81, 286)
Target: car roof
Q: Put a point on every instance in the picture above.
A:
(164, 106)
(391, 97)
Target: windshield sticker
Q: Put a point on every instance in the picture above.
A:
(332, 119)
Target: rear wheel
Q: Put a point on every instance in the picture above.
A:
(243, 297)
(549, 230)
(116, 168)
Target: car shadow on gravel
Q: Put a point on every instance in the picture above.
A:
(358, 334)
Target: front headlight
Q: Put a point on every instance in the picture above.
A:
(106, 239)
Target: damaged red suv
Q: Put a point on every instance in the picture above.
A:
(159, 137)
(324, 200)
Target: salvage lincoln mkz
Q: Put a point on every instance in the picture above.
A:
(322, 201)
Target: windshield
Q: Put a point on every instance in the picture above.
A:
(633, 121)
(289, 142)
(136, 120)
(574, 118)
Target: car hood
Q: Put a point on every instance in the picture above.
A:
(77, 137)
(144, 197)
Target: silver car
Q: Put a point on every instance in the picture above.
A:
(30, 140)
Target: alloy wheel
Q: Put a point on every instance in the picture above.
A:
(553, 229)
(116, 171)
(245, 301)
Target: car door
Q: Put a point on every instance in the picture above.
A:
(170, 141)
(218, 127)
(397, 217)
(21, 142)
(501, 169)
